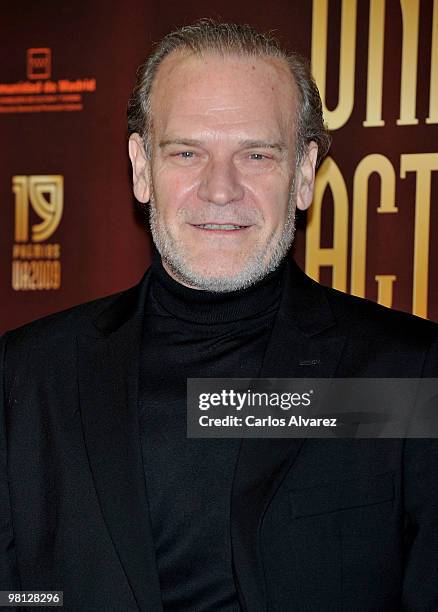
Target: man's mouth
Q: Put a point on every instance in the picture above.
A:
(220, 226)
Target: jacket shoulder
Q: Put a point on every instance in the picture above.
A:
(390, 336)
(61, 327)
(354, 310)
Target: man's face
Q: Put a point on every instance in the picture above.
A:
(221, 180)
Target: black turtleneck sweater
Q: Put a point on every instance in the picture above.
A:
(190, 333)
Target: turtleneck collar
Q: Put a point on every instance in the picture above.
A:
(209, 307)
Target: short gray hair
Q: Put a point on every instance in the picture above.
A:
(210, 36)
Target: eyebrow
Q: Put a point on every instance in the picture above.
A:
(179, 141)
(262, 144)
(245, 144)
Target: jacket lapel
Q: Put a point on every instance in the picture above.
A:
(108, 380)
(304, 343)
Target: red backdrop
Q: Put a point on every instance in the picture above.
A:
(70, 229)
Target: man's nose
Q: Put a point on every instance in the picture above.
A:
(220, 183)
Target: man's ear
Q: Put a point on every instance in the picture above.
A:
(306, 176)
(140, 168)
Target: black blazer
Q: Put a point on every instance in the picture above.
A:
(315, 524)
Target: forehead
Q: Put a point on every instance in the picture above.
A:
(223, 91)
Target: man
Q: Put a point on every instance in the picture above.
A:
(105, 497)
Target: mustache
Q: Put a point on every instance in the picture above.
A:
(227, 217)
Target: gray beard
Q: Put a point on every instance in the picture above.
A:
(263, 261)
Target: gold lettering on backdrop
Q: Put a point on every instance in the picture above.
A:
(36, 265)
(433, 96)
(423, 164)
(410, 13)
(337, 117)
(19, 188)
(383, 167)
(408, 89)
(385, 284)
(49, 210)
(329, 176)
(376, 42)
(36, 275)
(36, 251)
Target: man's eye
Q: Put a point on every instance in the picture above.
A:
(186, 154)
(258, 156)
